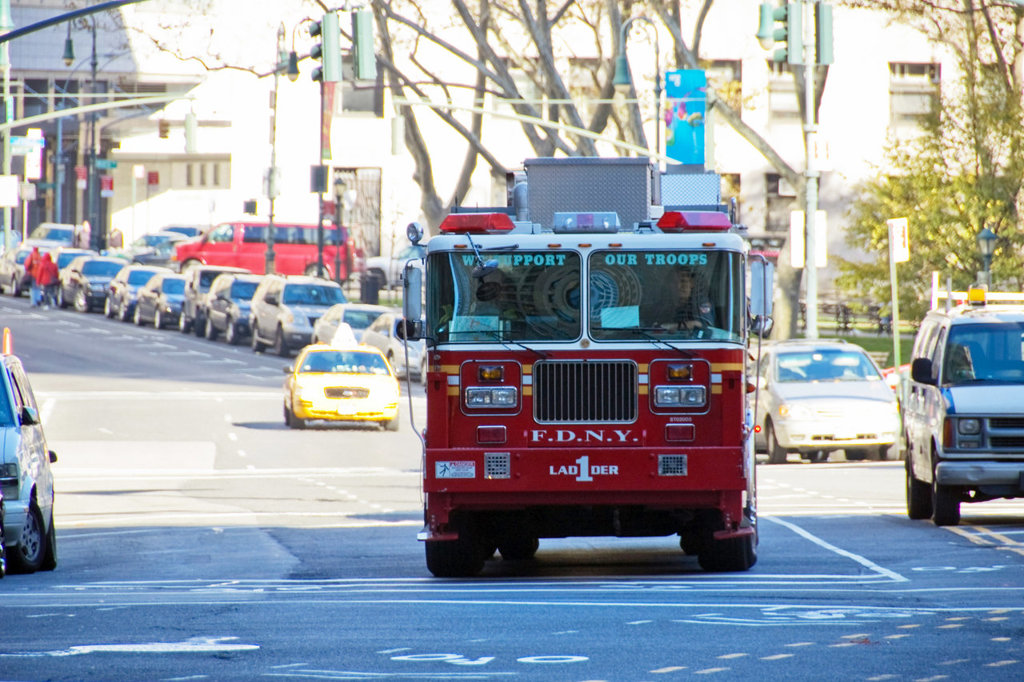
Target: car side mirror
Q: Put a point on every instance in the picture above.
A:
(288, 369)
(921, 371)
(29, 416)
(53, 457)
(271, 299)
(761, 326)
(410, 330)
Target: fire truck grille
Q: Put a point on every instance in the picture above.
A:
(672, 465)
(496, 465)
(585, 391)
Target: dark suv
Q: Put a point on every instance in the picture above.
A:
(227, 306)
(83, 283)
(284, 310)
(198, 279)
(963, 417)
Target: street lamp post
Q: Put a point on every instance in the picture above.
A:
(986, 245)
(6, 24)
(92, 186)
(623, 78)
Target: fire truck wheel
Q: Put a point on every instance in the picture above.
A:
(734, 554)
(518, 548)
(776, 453)
(455, 558)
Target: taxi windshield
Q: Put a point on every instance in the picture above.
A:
(345, 362)
(516, 296)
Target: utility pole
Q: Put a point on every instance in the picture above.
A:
(6, 24)
(811, 181)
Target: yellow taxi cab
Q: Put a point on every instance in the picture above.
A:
(341, 383)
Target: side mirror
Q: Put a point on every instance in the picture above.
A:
(29, 416)
(410, 330)
(53, 457)
(921, 371)
(761, 326)
(271, 299)
(288, 369)
(412, 293)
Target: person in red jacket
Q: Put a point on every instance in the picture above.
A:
(31, 263)
(47, 277)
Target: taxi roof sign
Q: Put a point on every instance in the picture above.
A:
(976, 296)
(8, 347)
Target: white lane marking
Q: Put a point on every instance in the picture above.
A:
(863, 561)
(191, 645)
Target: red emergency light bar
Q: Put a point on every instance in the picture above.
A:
(477, 223)
(694, 221)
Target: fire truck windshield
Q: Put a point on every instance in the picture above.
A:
(668, 295)
(530, 296)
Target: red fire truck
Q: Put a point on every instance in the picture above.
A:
(587, 367)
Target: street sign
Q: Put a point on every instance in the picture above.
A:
(899, 239)
(105, 164)
(21, 145)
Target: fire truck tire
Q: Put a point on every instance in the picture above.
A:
(734, 554)
(919, 495)
(776, 453)
(460, 558)
(518, 548)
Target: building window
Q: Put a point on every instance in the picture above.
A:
(913, 91)
(216, 175)
(779, 197)
(189, 181)
(202, 175)
(726, 77)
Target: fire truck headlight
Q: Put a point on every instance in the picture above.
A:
(679, 396)
(969, 427)
(498, 396)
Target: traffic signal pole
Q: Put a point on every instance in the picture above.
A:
(811, 182)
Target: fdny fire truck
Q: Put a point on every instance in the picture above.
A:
(586, 370)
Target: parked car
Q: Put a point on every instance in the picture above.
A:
(284, 310)
(55, 234)
(244, 245)
(388, 271)
(383, 335)
(358, 316)
(124, 290)
(159, 301)
(188, 231)
(198, 279)
(963, 416)
(25, 475)
(341, 384)
(156, 248)
(818, 397)
(63, 255)
(227, 306)
(83, 283)
(12, 268)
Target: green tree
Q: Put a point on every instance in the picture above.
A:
(963, 172)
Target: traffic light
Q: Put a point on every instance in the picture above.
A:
(364, 59)
(328, 50)
(789, 15)
(823, 32)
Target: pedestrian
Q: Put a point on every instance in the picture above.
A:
(48, 278)
(31, 263)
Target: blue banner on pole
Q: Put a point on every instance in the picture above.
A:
(685, 113)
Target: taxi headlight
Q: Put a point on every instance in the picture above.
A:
(497, 396)
(679, 396)
(969, 427)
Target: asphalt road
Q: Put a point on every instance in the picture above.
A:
(201, 539)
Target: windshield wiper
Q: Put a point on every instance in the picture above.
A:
(503, 341)
(646, 333)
